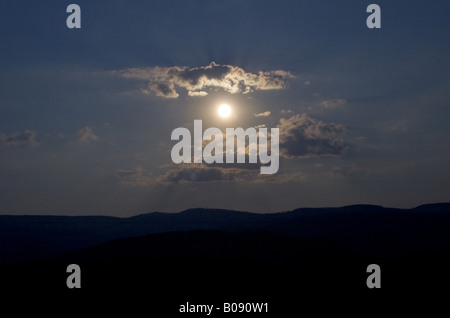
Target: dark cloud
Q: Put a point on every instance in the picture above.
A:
(162, 89)
(26, 137)
(162, 81)
(195, 76)
(303, 136)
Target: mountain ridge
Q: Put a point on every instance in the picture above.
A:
(440, 205)
(364, 228)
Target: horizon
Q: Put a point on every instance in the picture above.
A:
(233, 210)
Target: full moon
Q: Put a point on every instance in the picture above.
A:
(224, 110)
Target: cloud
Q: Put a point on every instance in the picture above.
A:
(163, 89)
(163, 81)
(334, 103)
(263, 114)
(25, 138)
(199, 93)
(303, 136)
(204, 173)
(86, 135)
(243, 173)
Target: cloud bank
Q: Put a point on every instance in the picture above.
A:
(208, 173)
(166, 81)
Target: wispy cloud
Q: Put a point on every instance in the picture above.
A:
(137, 177)
(198, 81)
(333, 103)
(287, 111)
(263, 114)
(86, 135)
(27, 137)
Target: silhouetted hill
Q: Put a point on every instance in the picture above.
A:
(435, 207)
(366, 229)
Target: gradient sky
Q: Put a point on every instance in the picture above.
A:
(86, 114)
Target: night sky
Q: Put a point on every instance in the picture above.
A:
(86, 115)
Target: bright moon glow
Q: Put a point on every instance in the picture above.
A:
(224, 110)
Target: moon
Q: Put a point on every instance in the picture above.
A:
(224, 110)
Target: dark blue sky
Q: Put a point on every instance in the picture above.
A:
(86, 114)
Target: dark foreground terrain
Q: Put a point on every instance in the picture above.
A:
(308, 260)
